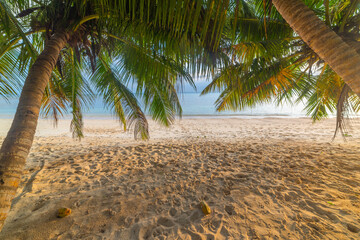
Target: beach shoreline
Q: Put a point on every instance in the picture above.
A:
(48, 127)
(263, 178)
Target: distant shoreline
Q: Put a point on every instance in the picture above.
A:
(188, 116)
(193, 106)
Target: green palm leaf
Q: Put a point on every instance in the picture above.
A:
(118, 97)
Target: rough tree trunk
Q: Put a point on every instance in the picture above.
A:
(18, 141)
(342, 58)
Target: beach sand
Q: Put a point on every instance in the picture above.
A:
(266, 178)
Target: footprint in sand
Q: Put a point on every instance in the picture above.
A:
(172, 212)
(230, 210)
(166, 222)
(353, 228)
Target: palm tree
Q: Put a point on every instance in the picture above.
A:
(328, 45)
(60, 44)
(274, 64)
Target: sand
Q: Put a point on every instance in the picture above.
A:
(266, 178)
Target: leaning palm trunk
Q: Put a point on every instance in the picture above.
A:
(342, 58)
(18, 141)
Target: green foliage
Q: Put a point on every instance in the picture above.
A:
(7, 70)
(114, 46)
(153, 47)
(118, 97)
(268, 62)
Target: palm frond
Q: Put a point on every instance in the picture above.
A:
(341, 111)
(117, 96)
(77, 90)
(11, 78)
(242, 87)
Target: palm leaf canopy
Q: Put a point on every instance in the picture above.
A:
(268, 62)
(127, 52)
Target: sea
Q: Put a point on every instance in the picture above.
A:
(193, 105)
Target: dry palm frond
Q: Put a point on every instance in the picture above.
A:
(342, 109)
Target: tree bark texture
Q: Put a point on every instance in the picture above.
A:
(17, 144)
(341, 57)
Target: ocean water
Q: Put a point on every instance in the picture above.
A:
(193, 105)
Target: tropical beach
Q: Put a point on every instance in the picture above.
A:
(179, 119)
(270, 178)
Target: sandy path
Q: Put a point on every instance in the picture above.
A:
(263, 179)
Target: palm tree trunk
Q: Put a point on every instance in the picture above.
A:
(342, 58)
(18, 141)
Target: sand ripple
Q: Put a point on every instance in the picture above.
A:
(257, 190)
